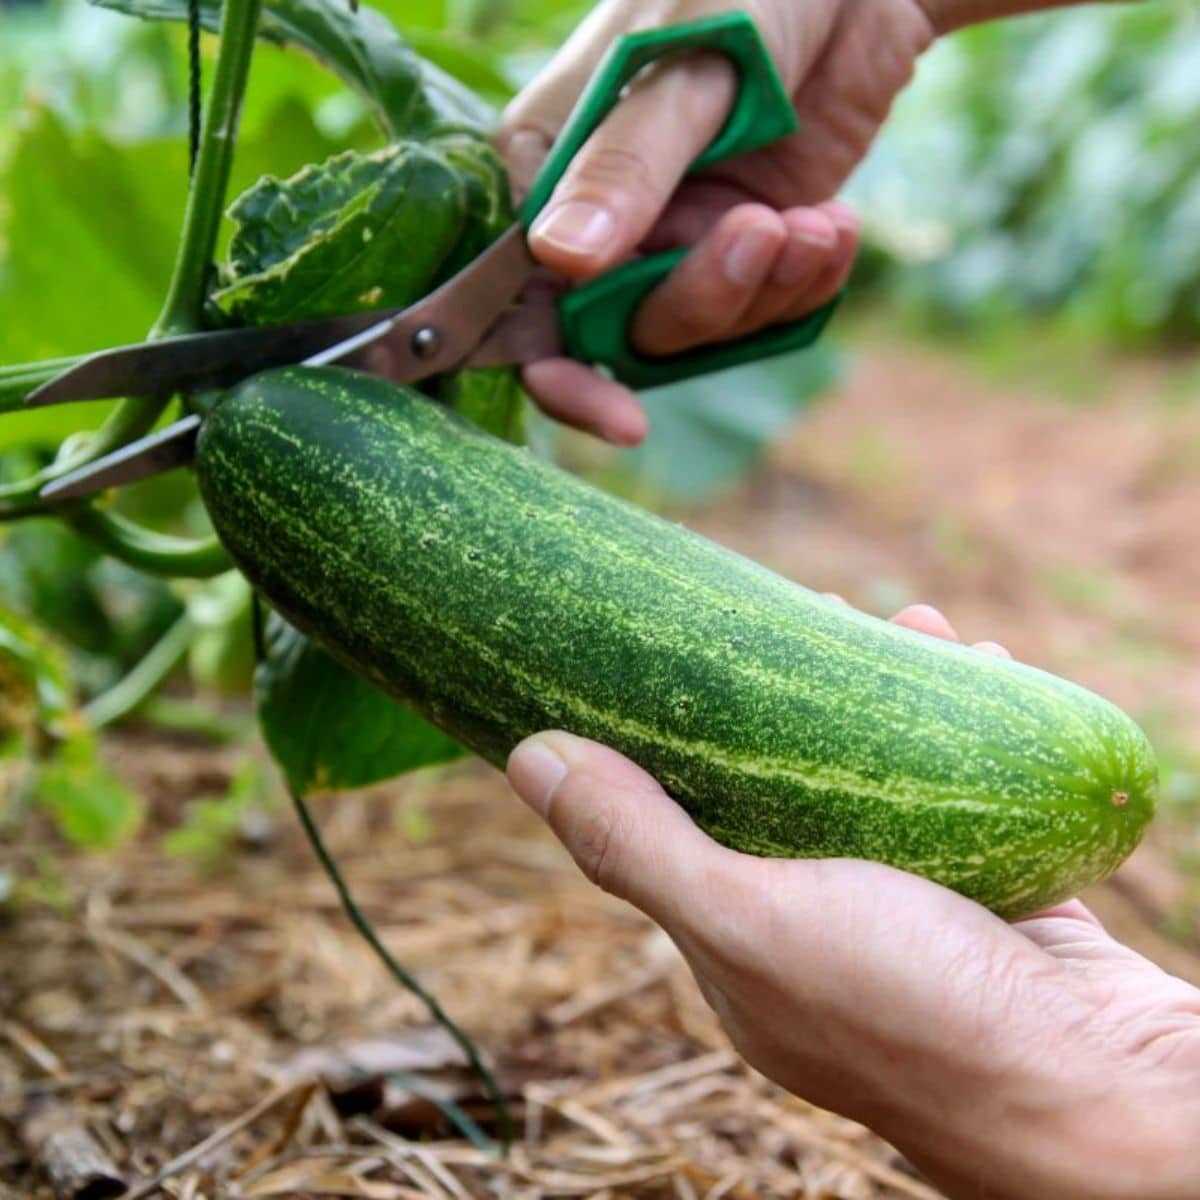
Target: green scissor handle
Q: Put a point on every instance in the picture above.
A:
(596, 317)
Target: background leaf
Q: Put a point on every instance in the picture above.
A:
(92, 807)
(413, 98)
(1048, 166)
(35, 689)
(329, 729)
(705, 433)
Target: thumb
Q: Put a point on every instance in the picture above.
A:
(622, 179)
(627, 835)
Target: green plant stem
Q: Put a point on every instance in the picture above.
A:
(190, 718)
(162, 658)
(183, 308)
(402, 976)
(155, 553)
(18, 381)
(43, 364)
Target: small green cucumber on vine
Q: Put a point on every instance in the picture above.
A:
(500, 596)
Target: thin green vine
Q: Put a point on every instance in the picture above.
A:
(18, 381)
(155, 553)
(402, 976)
(123, 697)
(183, 307)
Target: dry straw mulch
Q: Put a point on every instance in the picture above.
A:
(227, 1034)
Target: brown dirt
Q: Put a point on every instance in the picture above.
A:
(154, 1004)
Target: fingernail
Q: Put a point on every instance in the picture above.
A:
(844, 217)
(535, 771)
(750, 257)
(814, 229)
(993, 648)
(576, 226)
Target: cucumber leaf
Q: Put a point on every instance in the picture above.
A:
(356, 232)
(701, 442)
(412, 97)
(90, 804)
(330, 729)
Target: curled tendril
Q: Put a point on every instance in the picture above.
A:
(155, 553)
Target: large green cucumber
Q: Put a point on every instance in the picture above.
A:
(502, 596)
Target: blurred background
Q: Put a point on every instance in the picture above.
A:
(1005, 422)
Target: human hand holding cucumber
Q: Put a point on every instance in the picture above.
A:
(1015, 1062)
(1028, 1060)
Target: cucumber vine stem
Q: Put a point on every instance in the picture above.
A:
(398, 973)
(155, 553)
(17, 381)
(183, 307)
(123, 697)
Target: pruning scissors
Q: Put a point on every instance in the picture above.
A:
(478, 317)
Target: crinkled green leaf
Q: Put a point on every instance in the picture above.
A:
(328, 728)
(356, 232)
(413, 97)
(362, 231)
(488, 209)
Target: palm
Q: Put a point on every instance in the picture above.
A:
(1141, 1000)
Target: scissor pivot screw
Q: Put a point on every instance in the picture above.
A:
(426, 342)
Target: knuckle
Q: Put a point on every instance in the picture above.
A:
(518, 134)
(619, 169)
(707, 84)
(696, 322)
(595, 845)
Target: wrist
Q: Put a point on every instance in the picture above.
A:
(946, 16)
(1156, 1156)
(1125, 1142)
(1073, 1139)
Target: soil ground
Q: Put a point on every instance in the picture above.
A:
(223, 1022)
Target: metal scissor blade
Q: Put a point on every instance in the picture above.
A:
(428, 337)
(434, 335)
(528, 332)
(197, 360)
(445, 329)
(174, 446)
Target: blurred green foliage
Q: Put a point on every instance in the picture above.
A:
(212, 826)
(1048, 166)
(48, 756)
